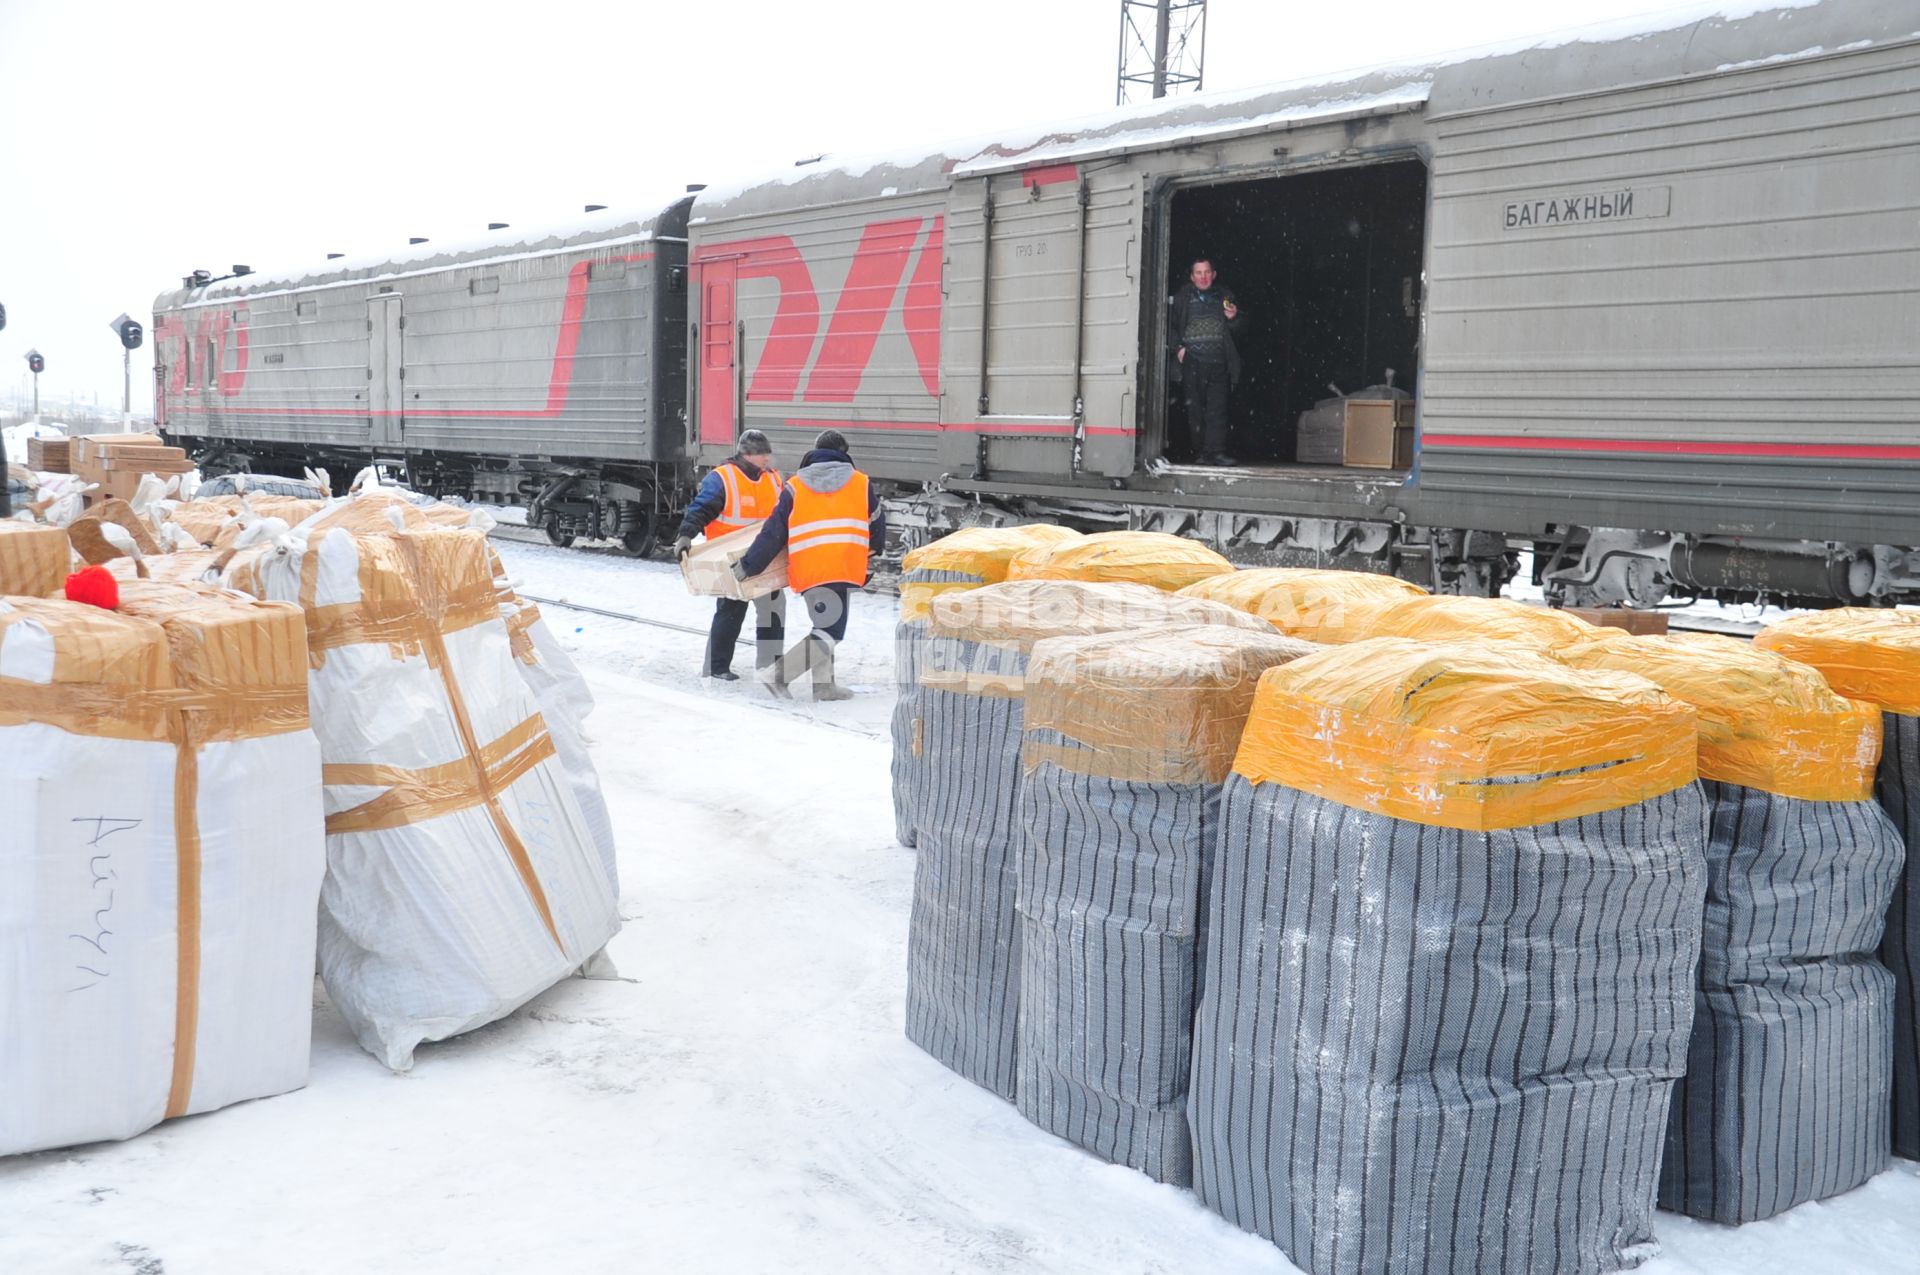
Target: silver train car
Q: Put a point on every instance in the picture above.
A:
(1653, 301)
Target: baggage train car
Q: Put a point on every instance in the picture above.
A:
(1648, 304)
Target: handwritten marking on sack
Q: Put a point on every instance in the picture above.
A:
(94, 964)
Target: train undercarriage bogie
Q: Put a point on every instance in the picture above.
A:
(1607, 566)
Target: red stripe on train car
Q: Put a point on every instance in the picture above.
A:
(1673, 447)
(1050, 175)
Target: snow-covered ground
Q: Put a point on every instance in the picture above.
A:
(744, 1099)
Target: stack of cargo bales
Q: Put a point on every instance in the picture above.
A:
(462, 877)
(966, 559)
(34, 559)
(216, 522)
(962, 943)
(1122, 557)
(160, 879)
(1449, 976)
(1306, 602)
(1786, 1091)
(1494, 621)
(1874, 656)
(1129, 737)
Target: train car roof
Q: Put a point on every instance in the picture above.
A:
(1696, 39)
(612, 227)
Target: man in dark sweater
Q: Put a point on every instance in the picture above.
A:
(1201, 320)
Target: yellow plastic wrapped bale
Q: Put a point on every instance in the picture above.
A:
(1495, 621)
(1457, 736)
(1874, 655)
(968, 558)
(34, 559)
(1305, 602)
(1800, 867)
(964, 781)
(1766, 722)
(1138, 557)
(1451, 888)
(1128, 739)
(1864, 652)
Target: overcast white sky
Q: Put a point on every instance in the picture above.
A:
(140, 140)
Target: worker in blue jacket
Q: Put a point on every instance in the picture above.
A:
(735, 495)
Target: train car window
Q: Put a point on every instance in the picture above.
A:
(484, 285)
(607, 270)
(186, 362)
(211, 368)
(677, 279)
(306, 309)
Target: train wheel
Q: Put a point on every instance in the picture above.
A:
(639, 540)
(556, 535)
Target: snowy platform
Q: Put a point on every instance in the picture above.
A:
(745, 1099)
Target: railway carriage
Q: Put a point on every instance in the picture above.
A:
(1653, 298)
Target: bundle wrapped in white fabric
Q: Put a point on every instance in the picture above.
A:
(462, 878)
(159, 879)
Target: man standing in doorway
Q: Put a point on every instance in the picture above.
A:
(1200, 326)
(739, 493)
(829, 520)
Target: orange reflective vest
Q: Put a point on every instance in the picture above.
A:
(749, 500)
(827, 535)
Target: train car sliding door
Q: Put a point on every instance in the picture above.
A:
(1028, 252)
(718, 381)
(386, 371)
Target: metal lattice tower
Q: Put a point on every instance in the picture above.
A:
(1163, 47)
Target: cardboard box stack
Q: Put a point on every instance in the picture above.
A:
(49, 455)
(117, 462)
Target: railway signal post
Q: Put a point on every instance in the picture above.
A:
(130, 334)
(36, 365)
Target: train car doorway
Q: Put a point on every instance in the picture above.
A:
(1326, 270)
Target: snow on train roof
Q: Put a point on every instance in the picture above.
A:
(610, 228)
(1604, 54)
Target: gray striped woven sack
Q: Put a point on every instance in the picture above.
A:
(909, 657)
(1789, 1071)
(1128, 739)
(962, 942)
(1431, 1049)
(1899, 791)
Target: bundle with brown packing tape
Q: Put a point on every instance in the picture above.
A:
(967, 559)
(463, 878)
(161, 886)
(34, 559)
(215, 522)
(551, 675)
(1873, 654)
(1128, 737)
(1456, 909)
(1800, 866)
(962, 942)
(1121, 557)
(1306, 602)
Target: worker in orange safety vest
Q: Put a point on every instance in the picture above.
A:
(829, 520)
(741, 491)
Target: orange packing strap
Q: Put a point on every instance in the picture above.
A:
(984, 685)
(415, 796)
(1865, 653)
(1456, 736)
(1766, 722)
